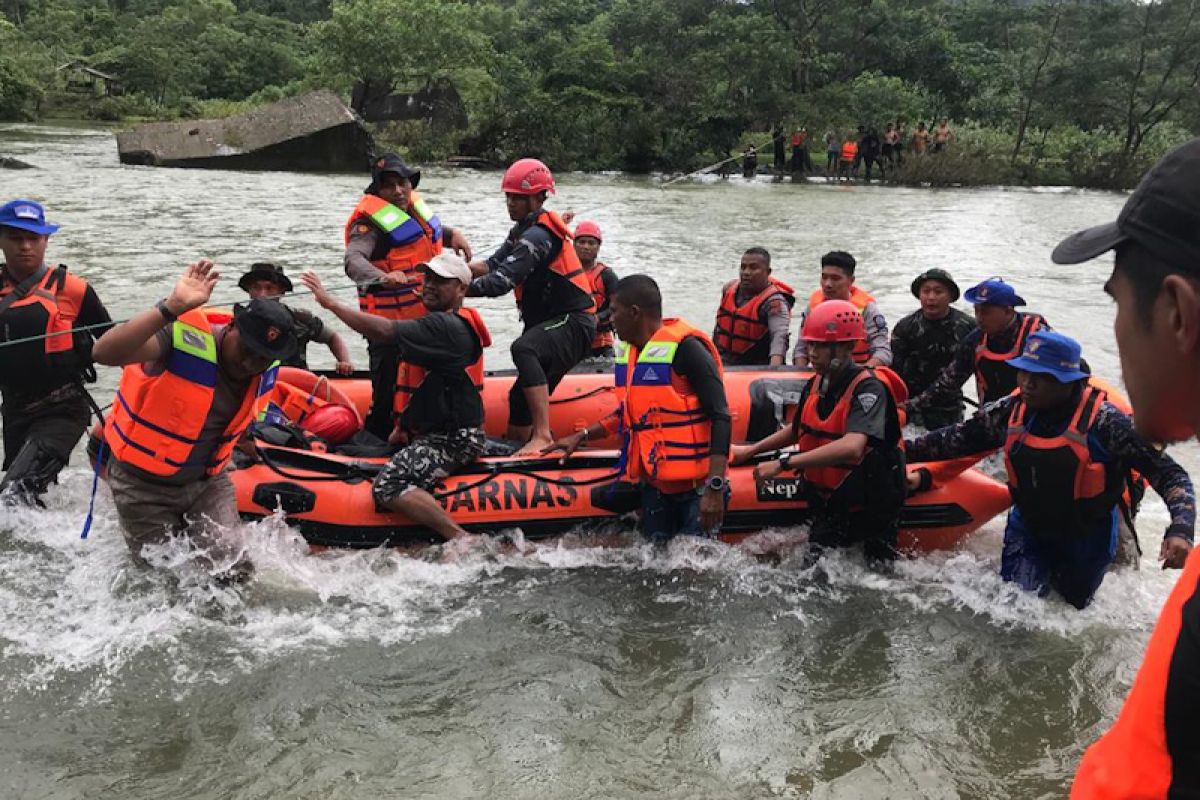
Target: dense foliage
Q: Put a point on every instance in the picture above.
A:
(1089, 88)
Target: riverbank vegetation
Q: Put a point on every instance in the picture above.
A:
(1038, 91)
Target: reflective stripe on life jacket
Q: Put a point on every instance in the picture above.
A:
(668, 434)
(410, 378)
(566, 264)
(815, 432)
(740, 329)
(861, 300)
(994, 378)
(1059, 488)
(156, 420)
(413, 239)
(49, 310)
(600, 298)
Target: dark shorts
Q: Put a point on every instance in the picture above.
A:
(426, 461)
(545, 353)
(876, 532)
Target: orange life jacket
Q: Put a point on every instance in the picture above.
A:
(566, 264)
(740, 329)
(599, 297)
(415, 236)
(48, 310)
(849, 151)
(668, 434)
(1054, 481)
(410, 378)
(815, 432)
(994, 378)
(860, 300)
(292, 404)
(1132, 759)
(156, 420)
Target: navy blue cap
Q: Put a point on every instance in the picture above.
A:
(26, 215)
(1051, 353)
(995, 292)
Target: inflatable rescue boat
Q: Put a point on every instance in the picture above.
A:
(327, 495)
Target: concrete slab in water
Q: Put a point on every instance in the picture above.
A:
(315, 132)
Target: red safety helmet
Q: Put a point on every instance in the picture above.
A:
(834, 321)
(588, 228)
(334, 423)
(527, 176)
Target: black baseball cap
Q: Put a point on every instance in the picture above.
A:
(939, 275)
(391, 162)
(267, 328)
(1162, 215)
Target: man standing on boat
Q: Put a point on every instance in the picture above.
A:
(1150, 750)
(587, 246)
(439, 409)
(538, 264)
(755, 314)
(848, 431)
(388, 235)
(924, 343)
(46, 409)
(837, 283)
(1068, 453)
(268, 282)
(987, 351)
(675, 415)
(194, 380)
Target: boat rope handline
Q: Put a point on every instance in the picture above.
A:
(223, 304)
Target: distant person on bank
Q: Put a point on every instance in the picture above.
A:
(46, 409)
(268, 282)
(675, 415)
(754, 315)
(194, 380)
(837, 283)
(388, 235)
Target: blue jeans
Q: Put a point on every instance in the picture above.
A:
(665, 516)
(1074, 567)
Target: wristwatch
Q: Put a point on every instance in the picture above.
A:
(161, 305)
(716, 483)
(785, 461)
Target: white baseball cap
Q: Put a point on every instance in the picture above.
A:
(450, 265)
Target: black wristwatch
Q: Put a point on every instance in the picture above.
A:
(785, 461)
(168, 315)
(716, 483)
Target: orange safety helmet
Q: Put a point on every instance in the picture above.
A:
(334, 423)
(588, 228)
(834, 321)
(527, 176)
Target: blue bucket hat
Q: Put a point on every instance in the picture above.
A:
(994, 292)
(26, 215)
(1051, 353)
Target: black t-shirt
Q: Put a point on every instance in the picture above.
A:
(444, 345)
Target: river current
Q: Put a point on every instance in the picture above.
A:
(573, 671)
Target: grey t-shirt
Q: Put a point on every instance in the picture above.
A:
(227, 399)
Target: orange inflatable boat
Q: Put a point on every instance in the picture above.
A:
(328, 496)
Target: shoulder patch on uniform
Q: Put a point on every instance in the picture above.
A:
(867, 401)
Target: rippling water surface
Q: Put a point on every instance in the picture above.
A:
(573, 671)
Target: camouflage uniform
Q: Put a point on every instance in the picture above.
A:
(921, 349)
(1111, 439)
